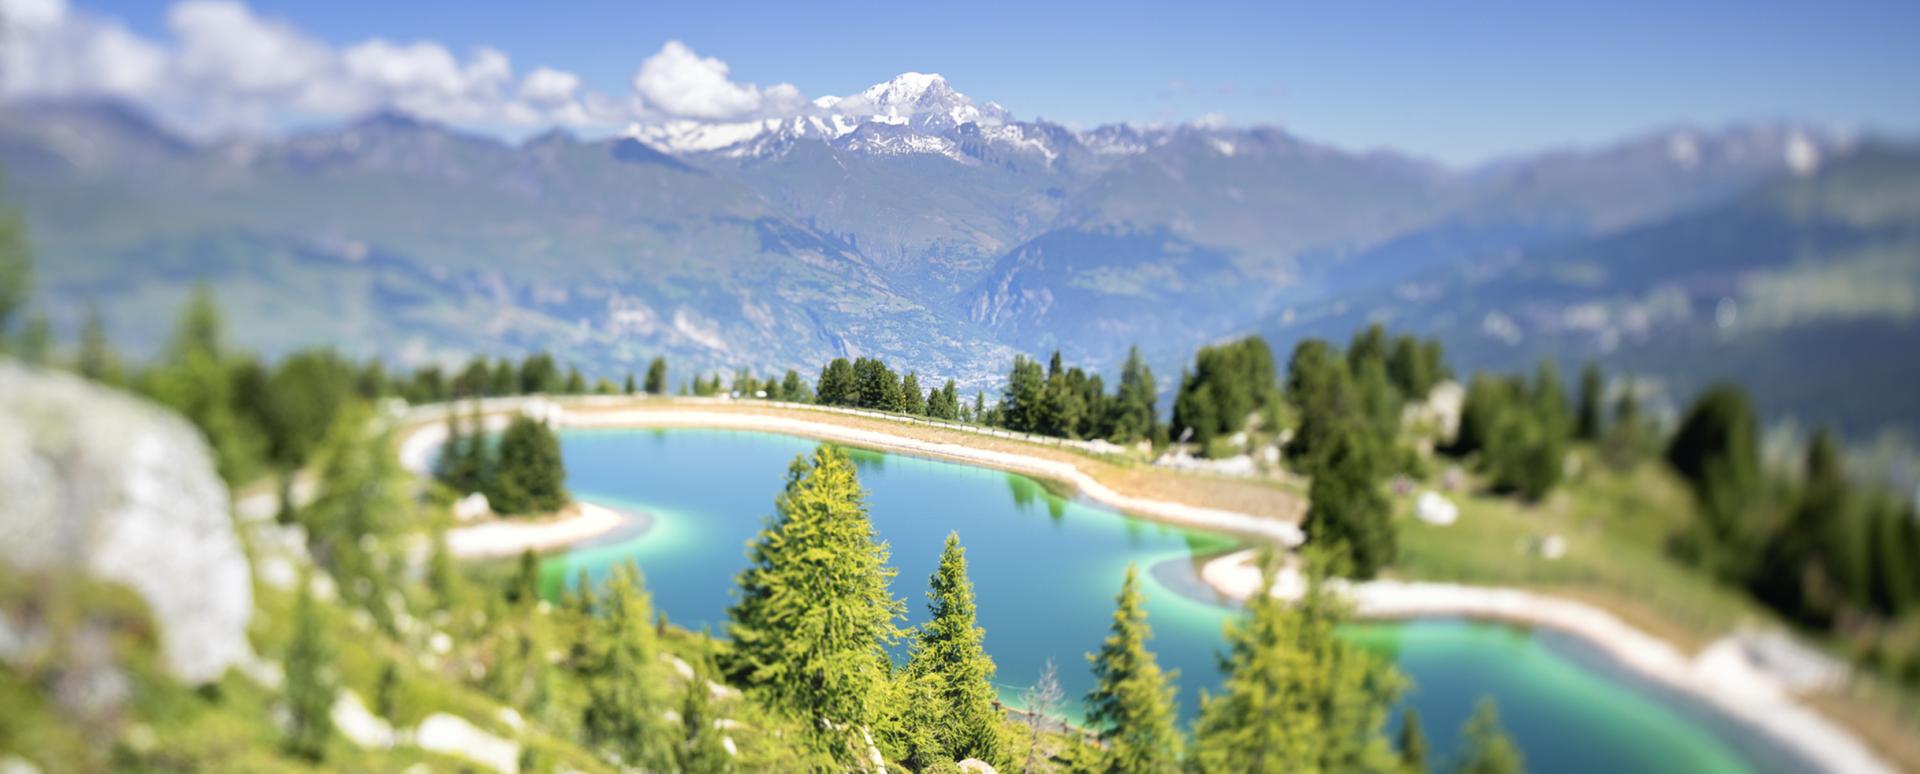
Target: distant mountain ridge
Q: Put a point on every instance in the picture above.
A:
(907, 221)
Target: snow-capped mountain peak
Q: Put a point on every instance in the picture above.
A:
(923, 104)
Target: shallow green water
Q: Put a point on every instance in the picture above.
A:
(1046, 569)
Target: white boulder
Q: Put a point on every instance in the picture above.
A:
(1433, 508)
(124, 490)
(472, 507)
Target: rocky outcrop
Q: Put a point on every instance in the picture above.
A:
(105, 483)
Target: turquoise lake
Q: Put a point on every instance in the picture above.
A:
(1046, 568)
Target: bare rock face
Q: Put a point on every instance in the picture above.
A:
(125, 491)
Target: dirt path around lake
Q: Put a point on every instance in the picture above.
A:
(1725, 675)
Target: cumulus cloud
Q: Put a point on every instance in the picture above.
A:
(678, 82)
(224, 67)
(48, 50)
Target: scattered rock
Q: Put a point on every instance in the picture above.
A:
(358, 724)
(1550, 547)
(976, 766)
(14, 764)
(124, 490)
(1433, 508)
(452, 735)
(473, 507)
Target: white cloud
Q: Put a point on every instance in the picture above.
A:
(222, 67)
(221, 44)
(678, 82)
(47, 50)
(547, 86)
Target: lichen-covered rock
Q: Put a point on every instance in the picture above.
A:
(106, 483)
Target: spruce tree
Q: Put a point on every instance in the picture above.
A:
(1133, 411)
(528, 474)
(702, 748)
(1413, 743)
(627, 706)
(1346, 510)
(1488, 750)
(1587, 424)
(310, 680)
(912, 400)
(657, 376)
(949, 648)
(1296, 697)
(814, 616)
(1131, 706)
(629, 387)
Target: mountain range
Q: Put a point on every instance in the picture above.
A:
(910, 222)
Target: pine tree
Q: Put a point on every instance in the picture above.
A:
(1587, 423)
(1133, 410)
(913, 401)
(1131, 705)
(1413, 743)
(626, 712)
(196, 381)
(629, 387)
(702, 748)
(657, 376)
(362, 491)
(949, 648)
(1296, 696)
(1322, 393)
(528, 475)
(814, 618)
(1020, 407)
(1488, 749)
(310, 681)
(1717, 450)
(1346, 510)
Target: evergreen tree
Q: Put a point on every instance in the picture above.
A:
(1587, 426)
(1133, 414)
(949, 650)
(97, 359)
(362, 492)
(1021, 407)
(1488, 749)
(912, 400)
(528, 474)
(1131, 706)
(1060, 406)
(310, 681)
(1717, 450)
(1296, 696)
(627, 709)
(837, 385)
(539, 374)
(197, 382)
(814, 615)
(1805, 572)
(576, 384)
(794, 388)
(1322, 394)
(1346, 510)
(629, 387)
(1413, 743)
(506, 379)
(657, 376)
(702, 748)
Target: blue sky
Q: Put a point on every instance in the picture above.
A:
(1460, 81)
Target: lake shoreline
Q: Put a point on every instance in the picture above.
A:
(1722, 676)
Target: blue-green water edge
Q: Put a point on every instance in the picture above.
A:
(1046, 568)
